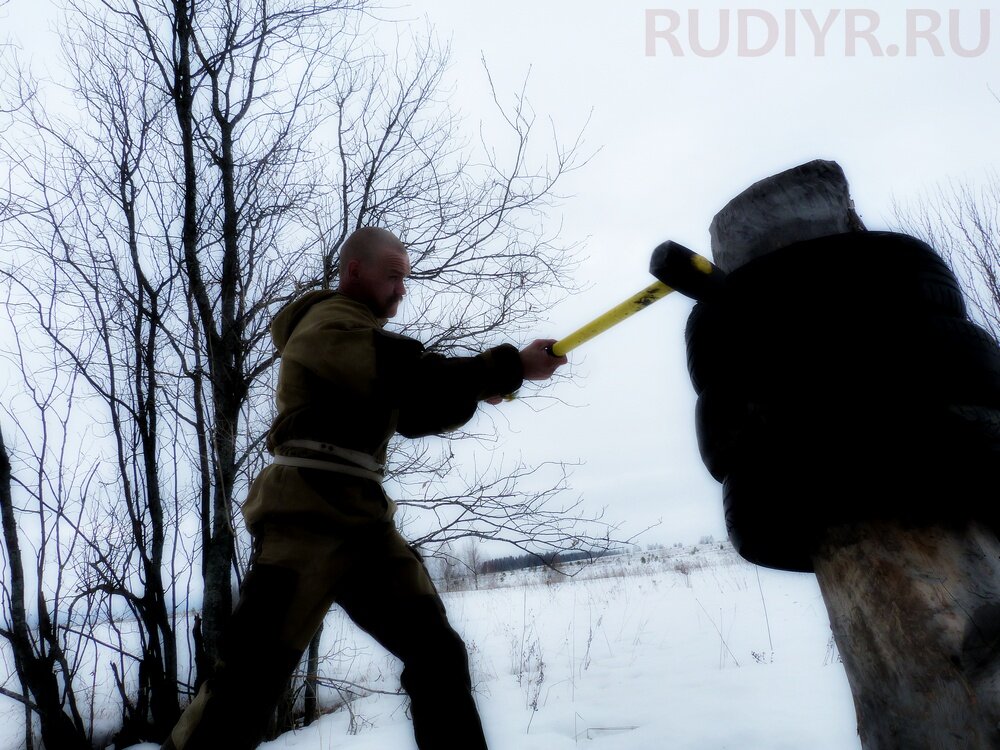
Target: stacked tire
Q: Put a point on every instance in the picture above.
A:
(839, 380)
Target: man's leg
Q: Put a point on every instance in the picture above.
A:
(389, 593)
(284, 598)
(232, 708)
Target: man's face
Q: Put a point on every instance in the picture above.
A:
(382, 280)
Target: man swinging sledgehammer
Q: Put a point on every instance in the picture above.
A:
(323, 526)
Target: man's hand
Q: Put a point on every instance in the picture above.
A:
(538, 363)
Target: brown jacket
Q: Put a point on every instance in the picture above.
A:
(344, 380)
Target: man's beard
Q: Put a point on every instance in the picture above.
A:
(389, 309)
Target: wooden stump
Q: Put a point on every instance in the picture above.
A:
(915, 611)
(916, 614)
(808, 201)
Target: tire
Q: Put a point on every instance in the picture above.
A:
(920, 357)
(947, 360)
(769, 536)
(813, 286)
(722, 421)
(729, 425)
(783, 488)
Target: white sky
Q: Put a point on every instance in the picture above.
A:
(679, 137)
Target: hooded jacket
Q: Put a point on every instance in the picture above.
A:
(345, 381)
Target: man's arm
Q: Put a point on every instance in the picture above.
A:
(537, 363)
(438, 394)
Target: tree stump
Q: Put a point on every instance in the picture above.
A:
(914, 607)
(916, 614)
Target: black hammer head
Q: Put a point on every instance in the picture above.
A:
(685, 271)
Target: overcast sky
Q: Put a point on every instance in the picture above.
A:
(682, 119)
(679, 136)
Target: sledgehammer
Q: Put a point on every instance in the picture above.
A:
(676, 269)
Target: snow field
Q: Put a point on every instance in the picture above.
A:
(673, 652)
(664, 649)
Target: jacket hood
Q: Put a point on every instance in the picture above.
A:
(291, 314)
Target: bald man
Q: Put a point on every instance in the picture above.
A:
(322, 524)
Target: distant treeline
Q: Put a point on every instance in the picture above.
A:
(519, 562)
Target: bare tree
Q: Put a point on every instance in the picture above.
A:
(103, 298)
(962, 222)
(213, 162)
(35, 605)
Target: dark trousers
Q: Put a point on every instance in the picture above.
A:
(296, 575)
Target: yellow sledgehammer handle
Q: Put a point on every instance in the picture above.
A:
(612, 317)
(689, 273)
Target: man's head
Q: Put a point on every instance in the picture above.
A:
(373, 267)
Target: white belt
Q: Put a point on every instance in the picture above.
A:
(358, 458)
(315, 463)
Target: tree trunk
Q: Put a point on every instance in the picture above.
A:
(228, 394)
(217, 457)
(915, 611)
(157, 706)
(311, 712)
(35, 670)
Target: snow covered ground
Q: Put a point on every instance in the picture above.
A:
(672, 648)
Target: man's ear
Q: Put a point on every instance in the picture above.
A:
(354, 269)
